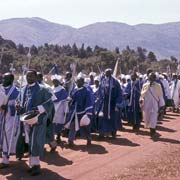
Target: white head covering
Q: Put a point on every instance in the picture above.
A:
(86, 80)
(81, 75)
(141, 76)
(128, 77)
(157, 75)
(58, 77)
(123, 76)
(97, 78)
(92, 74)
(161, 76)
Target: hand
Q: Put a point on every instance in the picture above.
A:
(141, 102)
(3, 107)
(18, 107)
(20, 110)
(69, 98)
(116, 109)
(35, 109)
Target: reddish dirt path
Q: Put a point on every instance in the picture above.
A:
(109, 159)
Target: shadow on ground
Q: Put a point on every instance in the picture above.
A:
(54, 158)
(18, 171)
(92, 149)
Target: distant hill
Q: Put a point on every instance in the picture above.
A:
(163, 39)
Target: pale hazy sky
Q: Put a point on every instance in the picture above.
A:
(78, 13)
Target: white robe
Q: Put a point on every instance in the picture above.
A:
(60, 111)
(61, 108)
(150, 108)
(3, 101)
(3, 98)
(11, 133)
(175, 93)
(166, 88)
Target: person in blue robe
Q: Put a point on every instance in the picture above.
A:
(9, 125)
(109, 119)
(60, 103)
(34, 97)
(81, 104)
(97, 95)
(124, 105)
(49, 130)
(133, 90)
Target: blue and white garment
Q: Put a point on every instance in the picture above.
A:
(10, 123)
(60, 104)
(96, 108)
(82, 103)
(35, 96)
(3, 99)
(133, 90)
(111, 97)
(175, 92)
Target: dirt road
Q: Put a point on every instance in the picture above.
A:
(130, 156)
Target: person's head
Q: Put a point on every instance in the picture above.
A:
(80, 82)
(165, 76)
(68, 75)
(152, 77)
(128, 78)
(31, 76)
(8, 79)
(149, 71)
(140, 77)
(179, 76)
(133, 76)
(123, 80)
(91, 75)
(174, 76)
(39, 77)
(96, 81)
(108, 72)
(56, 82)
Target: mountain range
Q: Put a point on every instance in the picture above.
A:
(162, 39)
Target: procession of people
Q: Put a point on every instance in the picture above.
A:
(34, 113)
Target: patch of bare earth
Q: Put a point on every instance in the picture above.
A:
(130, 156)
(163, 167)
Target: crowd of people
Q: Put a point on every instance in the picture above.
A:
(34, 113)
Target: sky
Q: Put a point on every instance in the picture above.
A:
(78, 13)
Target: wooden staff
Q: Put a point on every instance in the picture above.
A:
(29, 58)
(116, 67)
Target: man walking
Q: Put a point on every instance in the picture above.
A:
(38, 99)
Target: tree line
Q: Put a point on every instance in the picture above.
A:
(86, 58)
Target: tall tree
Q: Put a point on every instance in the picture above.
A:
(151, 56)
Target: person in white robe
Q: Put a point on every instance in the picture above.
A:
(9, 125)
(175, 92)
(3, 99)
(151, 102)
